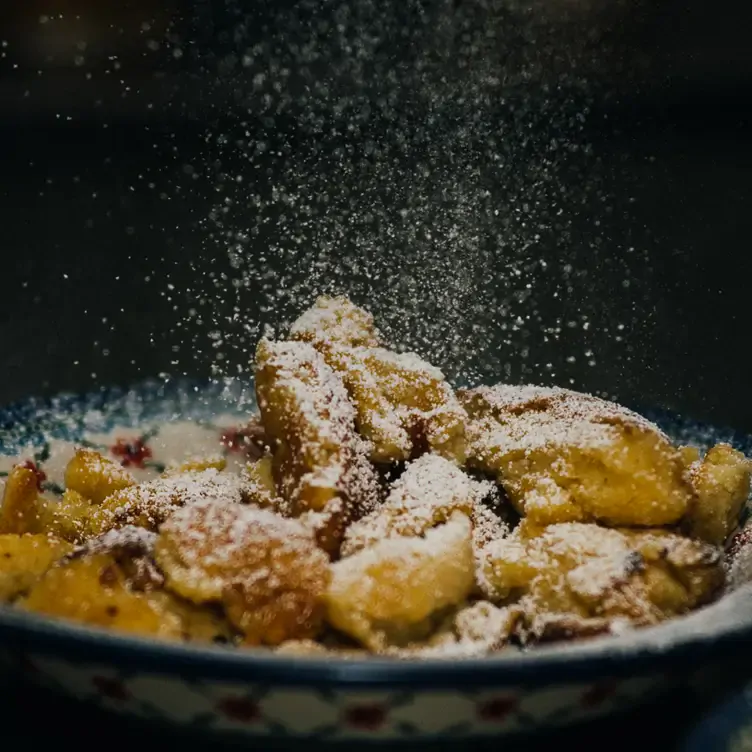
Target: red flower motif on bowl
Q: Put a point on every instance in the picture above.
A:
(367, 717)
(131, 453)
(239, 709)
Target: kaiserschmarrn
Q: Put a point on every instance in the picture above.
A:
(376, 510)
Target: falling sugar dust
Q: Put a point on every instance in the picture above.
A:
(434, 164)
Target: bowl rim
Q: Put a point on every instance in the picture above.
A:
(675, 647)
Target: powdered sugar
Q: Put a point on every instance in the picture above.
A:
(336, 321)
(136, 541)
(319, 399)
(431, 481)
(308, 410)
(218, 533)
(429, 491)
(156, 500)
(402, 402)
(531, 417)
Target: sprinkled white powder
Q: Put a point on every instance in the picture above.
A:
(218, 541)
(310, 413)
(336, 321)
(531, 417)
(429, 491)
(157, 499)
(136, 541)
(386, 593)
(321, 404)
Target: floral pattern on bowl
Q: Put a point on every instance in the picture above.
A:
(261, 710)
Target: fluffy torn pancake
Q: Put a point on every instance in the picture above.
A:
(563, 456)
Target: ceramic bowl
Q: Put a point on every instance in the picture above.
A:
(727, 728)
(258, 694)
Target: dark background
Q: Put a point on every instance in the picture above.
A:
(618, 133)
(121, 124)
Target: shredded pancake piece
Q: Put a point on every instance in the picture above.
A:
(265, 570)
(427, 493)
(25, 558)
(562, 456)
(132, 549)
(112, 581)
(67, 517)
(25, 510)
(386, 595)
(320, 463)
(573, 571)
(149, 504)
(721, 482)
(95, 477)
(404, 405)
(474, 630)
(336, 322)
(20, 509)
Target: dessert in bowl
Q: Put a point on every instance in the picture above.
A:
(363, 550)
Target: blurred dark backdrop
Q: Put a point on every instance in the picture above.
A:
(118, 122)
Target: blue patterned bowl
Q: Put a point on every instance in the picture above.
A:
(727, 728)
(259, 694)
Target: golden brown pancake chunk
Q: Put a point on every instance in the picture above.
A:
(25, 558)
(196, 465)
(26, 510)
(93, 590)
(484, 627)
(95, 477)
(67, 517)
(563, 456)
(132, 549)
(320, 463)
(570, 572)
(474, 630)
(336, 321)
(149, 504)
(387, 594)
(721, 483)
(21, 503)
(404, 405)
(113, 582)
(264, 569)
(427, 493)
